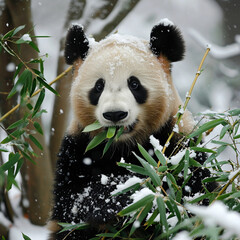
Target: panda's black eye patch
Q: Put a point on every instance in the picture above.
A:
(99, 85)
(133, 83)
(96, 91)
(139, 92)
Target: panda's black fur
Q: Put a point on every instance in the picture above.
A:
(79, 193)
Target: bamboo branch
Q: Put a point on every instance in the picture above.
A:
(35, 93)
(226, 186)
(188, 97)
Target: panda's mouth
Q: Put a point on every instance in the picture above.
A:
(126, 129)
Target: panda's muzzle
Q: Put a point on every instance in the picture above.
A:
(115, 116)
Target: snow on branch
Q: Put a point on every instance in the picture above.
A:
(218, 52)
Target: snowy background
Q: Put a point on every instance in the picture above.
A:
(214, 90)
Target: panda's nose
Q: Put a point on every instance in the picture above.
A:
(115, 116)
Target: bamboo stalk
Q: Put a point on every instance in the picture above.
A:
(188, 97)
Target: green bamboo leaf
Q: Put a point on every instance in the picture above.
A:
(186, 164)
(161, 157)
(234, 112)
(207, 126)
(133, 168)
(18, 123)
(70, 226)
(34, 46)
(162, 169)
(134, 187)
(23, 79)
(12, 160)
(198, 199)
(146, 155)
(26, 237)
(135, 206)
(107, 146)
(224, 130)
(46, 85)
(151, 172)
(152, 218)
(39, 102)
(3, 149)
(38, 127)
(119, 133)
(96, 141)
(13, 32)
(111, 131)
(141, 217)
(92, 127)
(201, 149)
(176, 209)
(36, 142)
(162, 211)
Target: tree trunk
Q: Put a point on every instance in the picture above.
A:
(37, 179)
(76, 12)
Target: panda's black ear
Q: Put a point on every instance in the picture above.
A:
(77, 44)
(167, 40)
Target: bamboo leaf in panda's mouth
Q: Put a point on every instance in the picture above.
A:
(111, 131)
(96, 141)
(92, 127)
(110, 134)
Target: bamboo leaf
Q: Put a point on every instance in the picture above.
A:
(38, 127)
(26, 237)
(200, 149)
(151, 172)
(141, 217)
(134, 187)
(96, 141)
(18, 123)
(92, 127)
(21, 81)
(162, 211)
(46, 85)
(207, 126)
(39, 102)
(70, 226)
(13, 32)
(119, 133)
(12, 160)
(135, 206)
(186, 164)
(146, 155)
(36, 142)
(107, 146)
(133, 168)
(111, 131)
(224, 130)
(161, 157)
(34, 46)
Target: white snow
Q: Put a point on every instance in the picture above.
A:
(217, 214)
(182, 236)
(22, 225)
(11, 67)
(87, 161)
(138, 195)
(26, 37)
(166, 22)
(104, 179)
(130, 182)
(174, 160)
(155, 143)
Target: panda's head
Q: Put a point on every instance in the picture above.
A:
(125, 81)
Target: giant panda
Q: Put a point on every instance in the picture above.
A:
(119, 81)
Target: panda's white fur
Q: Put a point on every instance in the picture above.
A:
(115, 59)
